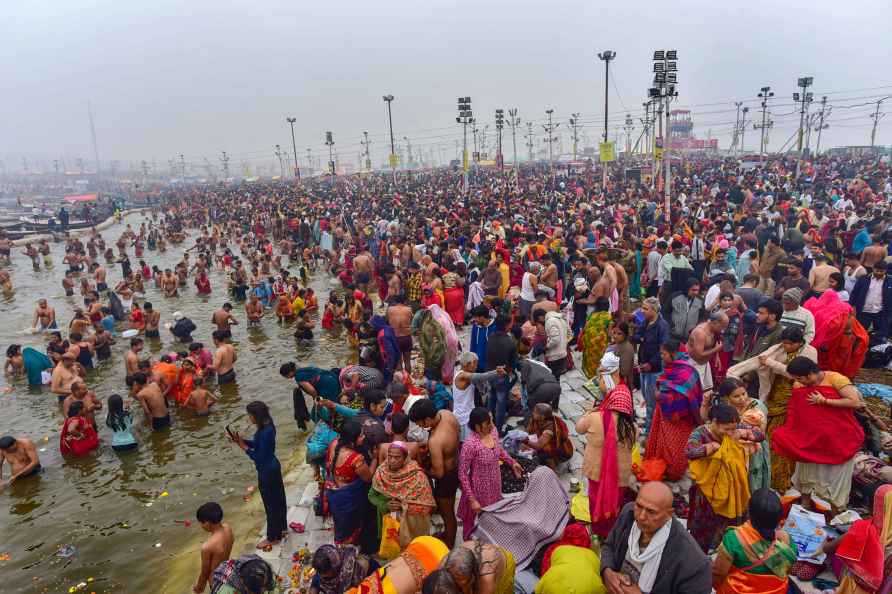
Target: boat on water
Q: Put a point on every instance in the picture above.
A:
(51, 223)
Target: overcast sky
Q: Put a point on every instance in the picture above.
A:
(199, 77)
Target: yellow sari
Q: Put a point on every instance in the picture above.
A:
(723, 479)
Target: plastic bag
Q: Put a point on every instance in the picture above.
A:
(390, 538)
(806, 529)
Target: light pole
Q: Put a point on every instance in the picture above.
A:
(465, 117)
(804, 98)
(329, 141)
(500, 125)
(514, 122)
(368, 158)
(743, 129)
(607, 56)
(225, 160)
(737, 104)
(665, 79)
(389, 99)
(281, 164)
(876, 116)
(294, 146)
(825, 111)
(574, 123)
(408, 150)
(765, 94)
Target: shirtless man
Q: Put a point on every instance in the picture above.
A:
(399, 316)
(704, 343)
(44, 316)
(443, 446)
(215, 549)
(21, 454)
(200, 400)
(224, 359)
(152, 400)
(223, 319)
(548, 276)
(131, 357)
(80, 393)
(873, 254)
(5, 249)
(153, 319)
(99, 274)
(169, 283)
(64, 374)
(363, 268)
(253, 310)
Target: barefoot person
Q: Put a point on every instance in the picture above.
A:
(224, 359)
(443, 446)
(216, 549)
(21, 455)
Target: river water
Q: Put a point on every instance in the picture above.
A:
(122, 514)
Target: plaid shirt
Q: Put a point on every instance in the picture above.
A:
(413, 287)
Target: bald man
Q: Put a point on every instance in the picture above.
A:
(649, 551)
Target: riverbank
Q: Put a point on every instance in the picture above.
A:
(79, 232)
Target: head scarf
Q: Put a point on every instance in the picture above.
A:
(609, 366)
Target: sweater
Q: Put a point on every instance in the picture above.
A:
(684, 569)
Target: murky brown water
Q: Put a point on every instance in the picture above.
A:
(109, 506)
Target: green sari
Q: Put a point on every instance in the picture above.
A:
(595, 339)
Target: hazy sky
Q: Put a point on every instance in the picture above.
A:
(198, 77)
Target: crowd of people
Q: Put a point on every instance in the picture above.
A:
(720, 343)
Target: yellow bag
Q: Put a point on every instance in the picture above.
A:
(390, 538)
(636, 454)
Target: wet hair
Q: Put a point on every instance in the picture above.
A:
(399, 422)
(793, 334)
(13, 350)
(802, 366)
(219, 335)
(765, 511)
(723, 413)
(422, 410)
(257, 575)
(6, 442)
(287, 368)
(116, 419)
(138, 378)
(75, 409)
(840, 281)
(350, 434)
(477, 417)
(135, 341)
(209, 512)
(260, 411)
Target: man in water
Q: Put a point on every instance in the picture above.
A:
(44, 316)
(223, 319)
(254, 310)
(64, 374)
(216, 549)
(152, 400)
(131, 357)
(443, 446)
(21, 454)
(153, 318)
(224, 359)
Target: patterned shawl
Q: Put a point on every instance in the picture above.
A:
(679, 392)
(409, 484)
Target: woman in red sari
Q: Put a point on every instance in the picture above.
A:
(454, 295)
(79, 435)
(678, 410)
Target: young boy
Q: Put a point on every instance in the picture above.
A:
(215, 549)
(200, 400)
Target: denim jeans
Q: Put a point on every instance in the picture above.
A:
(498, 402)
(649, 390)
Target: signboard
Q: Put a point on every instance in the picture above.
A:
(394, 160)
(607, 154)
(464, 160)
(658, 147)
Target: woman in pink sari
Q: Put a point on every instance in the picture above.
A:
(610, 435)
(452, 343)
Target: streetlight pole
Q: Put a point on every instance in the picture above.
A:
(281, 164)
(824, 113)
(465, 117)
(294, 147)
(500, 125)
(876, 116)
(805, 98)
(765, 94)
(368, 159)
(514, 121)
(743, 130)
(329, 141)
(389, 99)
(574, 123)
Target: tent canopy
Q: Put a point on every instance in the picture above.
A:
(80, 198)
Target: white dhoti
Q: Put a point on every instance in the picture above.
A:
(705, 373)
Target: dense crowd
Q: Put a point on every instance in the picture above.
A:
(721, 343)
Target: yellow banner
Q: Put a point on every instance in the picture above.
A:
(607, 154)
(394, 160)
(464, 160)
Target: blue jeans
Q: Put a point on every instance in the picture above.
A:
(649, 390)
(497, 403)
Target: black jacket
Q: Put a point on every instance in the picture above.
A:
(501, 350)
(859, 294)
(684, 569)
